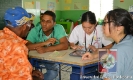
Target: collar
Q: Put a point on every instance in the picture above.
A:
(11, 33)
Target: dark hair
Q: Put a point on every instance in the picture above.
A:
(89, 17)
(121, 17)
(50, 13)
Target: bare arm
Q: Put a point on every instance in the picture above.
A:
(32, 46)
(106, 79)
(90, 56)
(95, 52)
(62, 46)
(106, 47)
(75, 47)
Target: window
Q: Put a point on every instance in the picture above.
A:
(100, 7)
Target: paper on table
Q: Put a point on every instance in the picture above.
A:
(57, 54)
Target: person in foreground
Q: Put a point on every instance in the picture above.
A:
(118, 24)
(47, 37)
(14, 64)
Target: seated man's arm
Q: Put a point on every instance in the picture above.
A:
(62, 46)
(32, 46)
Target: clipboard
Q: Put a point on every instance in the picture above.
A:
(77, 53)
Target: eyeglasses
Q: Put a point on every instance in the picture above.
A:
(106, 22)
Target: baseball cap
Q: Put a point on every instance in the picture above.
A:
(31, 16)
(17, 16)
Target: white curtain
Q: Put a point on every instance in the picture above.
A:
(100, 7)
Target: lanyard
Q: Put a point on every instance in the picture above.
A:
(91, 40)
(42, 36)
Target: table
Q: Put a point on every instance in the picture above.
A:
(65, 59)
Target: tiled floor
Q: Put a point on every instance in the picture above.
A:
(65, 72)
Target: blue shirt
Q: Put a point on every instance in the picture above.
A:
(124, 60)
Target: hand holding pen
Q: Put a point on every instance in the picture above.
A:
(76, 47)
(92, 48)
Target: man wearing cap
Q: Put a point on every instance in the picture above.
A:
(14, 64)
(32, 16)
(47, 37)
